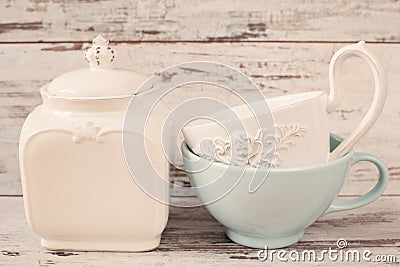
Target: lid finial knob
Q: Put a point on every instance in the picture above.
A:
(100, 55)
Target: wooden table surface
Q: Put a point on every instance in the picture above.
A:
(194, 238)
(284, 46)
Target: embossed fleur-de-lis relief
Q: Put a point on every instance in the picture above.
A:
(284, 135)
(262, 150)
(89, 132)
(265, 153)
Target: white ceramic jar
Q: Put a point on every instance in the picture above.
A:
(78, 191)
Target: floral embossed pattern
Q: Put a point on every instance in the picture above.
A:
(261, 150)
(88, 132)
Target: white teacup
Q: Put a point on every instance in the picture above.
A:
(301, 132)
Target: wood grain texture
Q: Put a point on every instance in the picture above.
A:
(193, 237)
(284, 46)
(207, 20)
(277, 69)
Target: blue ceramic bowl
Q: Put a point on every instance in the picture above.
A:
(288, 201)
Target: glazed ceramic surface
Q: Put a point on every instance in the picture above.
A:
(301, 130)
(296, 133)
(288, 201)
(78, 191)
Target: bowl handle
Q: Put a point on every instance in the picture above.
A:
(369, 197)
(359, 50)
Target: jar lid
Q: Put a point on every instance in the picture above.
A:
(100, 80)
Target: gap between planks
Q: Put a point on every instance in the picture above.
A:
(204, 42)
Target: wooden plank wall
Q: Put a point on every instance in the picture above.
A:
(285, 46)
(206, 20)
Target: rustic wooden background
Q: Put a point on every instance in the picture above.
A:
(285, 46)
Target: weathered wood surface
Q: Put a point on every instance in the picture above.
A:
(185, 20)
(194, 238)
(285, 46)
(276, 68)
